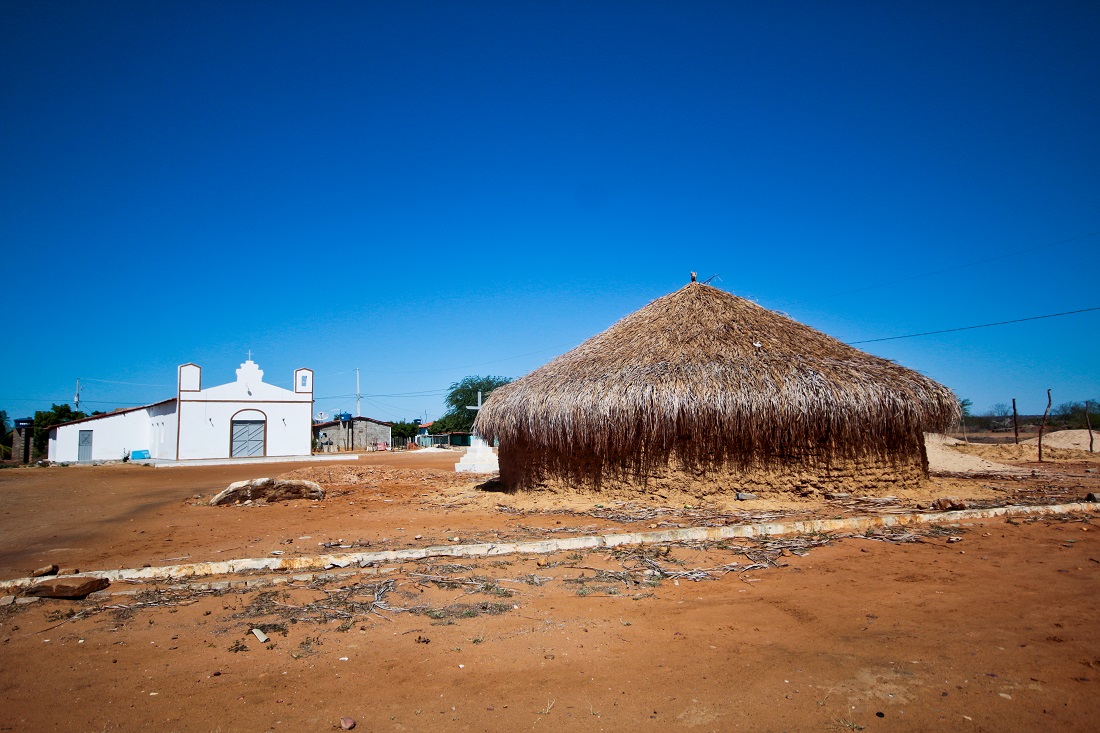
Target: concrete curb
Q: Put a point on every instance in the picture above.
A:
(689, 534)
(186, 462)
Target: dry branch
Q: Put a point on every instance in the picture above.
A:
(1043, 425)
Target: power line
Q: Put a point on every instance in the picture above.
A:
(383, 411)
(130, 384)
(440, 392)
(970, 263)
(471, 366)
(426, 393)
(968, 328)
(36, 399)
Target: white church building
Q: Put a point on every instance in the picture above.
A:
(247, 418)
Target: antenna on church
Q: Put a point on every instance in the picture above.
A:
(712, 277)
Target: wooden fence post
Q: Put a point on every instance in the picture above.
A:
(1015, 424)
(1042, 426)
(1088, 422)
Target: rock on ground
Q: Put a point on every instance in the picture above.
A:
(268, 489)
(67, 587)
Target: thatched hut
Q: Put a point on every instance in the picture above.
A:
(703, 393)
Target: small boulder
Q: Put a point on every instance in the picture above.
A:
(347, 723)
(268, 489)
(294, 489)
(44, 571)
(745, 496)
(67, 587)
(949, 503)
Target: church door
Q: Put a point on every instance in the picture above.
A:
(248, 438)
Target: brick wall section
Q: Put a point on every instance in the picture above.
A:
(356, 435)
(20, 444)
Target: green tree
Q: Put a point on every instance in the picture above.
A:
(964, 407)
(450, 423)
(45, 419)
(402, 432)
(1072, 414)
(459, 418)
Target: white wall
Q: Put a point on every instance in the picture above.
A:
(206, 431)
(205, 417)
(199, 421)
(163, 423)
(112, 437)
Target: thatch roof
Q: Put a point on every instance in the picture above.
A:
(711, 378)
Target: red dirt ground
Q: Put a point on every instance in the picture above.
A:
(994, 631)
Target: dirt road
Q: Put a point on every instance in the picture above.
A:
(988, 627)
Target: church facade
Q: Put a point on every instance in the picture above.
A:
(246, 418)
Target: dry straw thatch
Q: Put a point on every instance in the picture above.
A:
(702, 378)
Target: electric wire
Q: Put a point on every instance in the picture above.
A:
(970, 328)
(131, 384)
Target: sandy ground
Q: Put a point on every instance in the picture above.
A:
(988, 629)
(945, 457)
(1076, 439)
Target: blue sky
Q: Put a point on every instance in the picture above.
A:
(428, 190)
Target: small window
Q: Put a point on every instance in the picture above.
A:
(304, 380)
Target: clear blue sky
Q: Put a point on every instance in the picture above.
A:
(428, 190)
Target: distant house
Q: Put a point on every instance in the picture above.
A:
(428, 440)
(352, 434)
(247, 418)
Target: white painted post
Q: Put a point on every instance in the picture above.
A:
(480, 457)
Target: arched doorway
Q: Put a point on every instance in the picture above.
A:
(249, 434)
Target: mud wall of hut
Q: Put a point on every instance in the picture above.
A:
(530, 471)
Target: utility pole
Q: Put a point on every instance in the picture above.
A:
(76, 399)
(357, 395)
